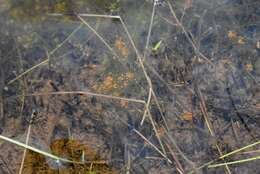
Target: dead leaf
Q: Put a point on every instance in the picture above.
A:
(187, 116)
(249, 67)
(258, 44)
(232, 35)
(241, 40)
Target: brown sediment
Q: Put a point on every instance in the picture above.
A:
(69, 149)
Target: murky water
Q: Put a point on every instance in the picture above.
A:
(145, 88)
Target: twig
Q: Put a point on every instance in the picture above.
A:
(167, 20)
(26, 142)
(1, 108)
(87, 94)
(174, 156)
(160, 110)
(23, 80)
(59, 159)
(155, 129)
(209, 124)
(128, 167)
(28, 71)
(241, 149)
(234, 129)
(85, 15)
(234, 162)
(147, 78)
(252, 151)
(143, 68)
(226, 155)
(148, 104)
(205, 113)
(149, 30)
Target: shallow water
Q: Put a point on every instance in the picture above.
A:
(70, 71)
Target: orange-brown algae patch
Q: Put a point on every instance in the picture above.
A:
(233, 36)
(121, 47)
(114, 84)
(70, 149)
(106, 86)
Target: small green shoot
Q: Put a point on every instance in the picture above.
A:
(157, 46)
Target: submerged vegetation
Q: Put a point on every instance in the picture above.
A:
(69, 149)
(35, 9)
